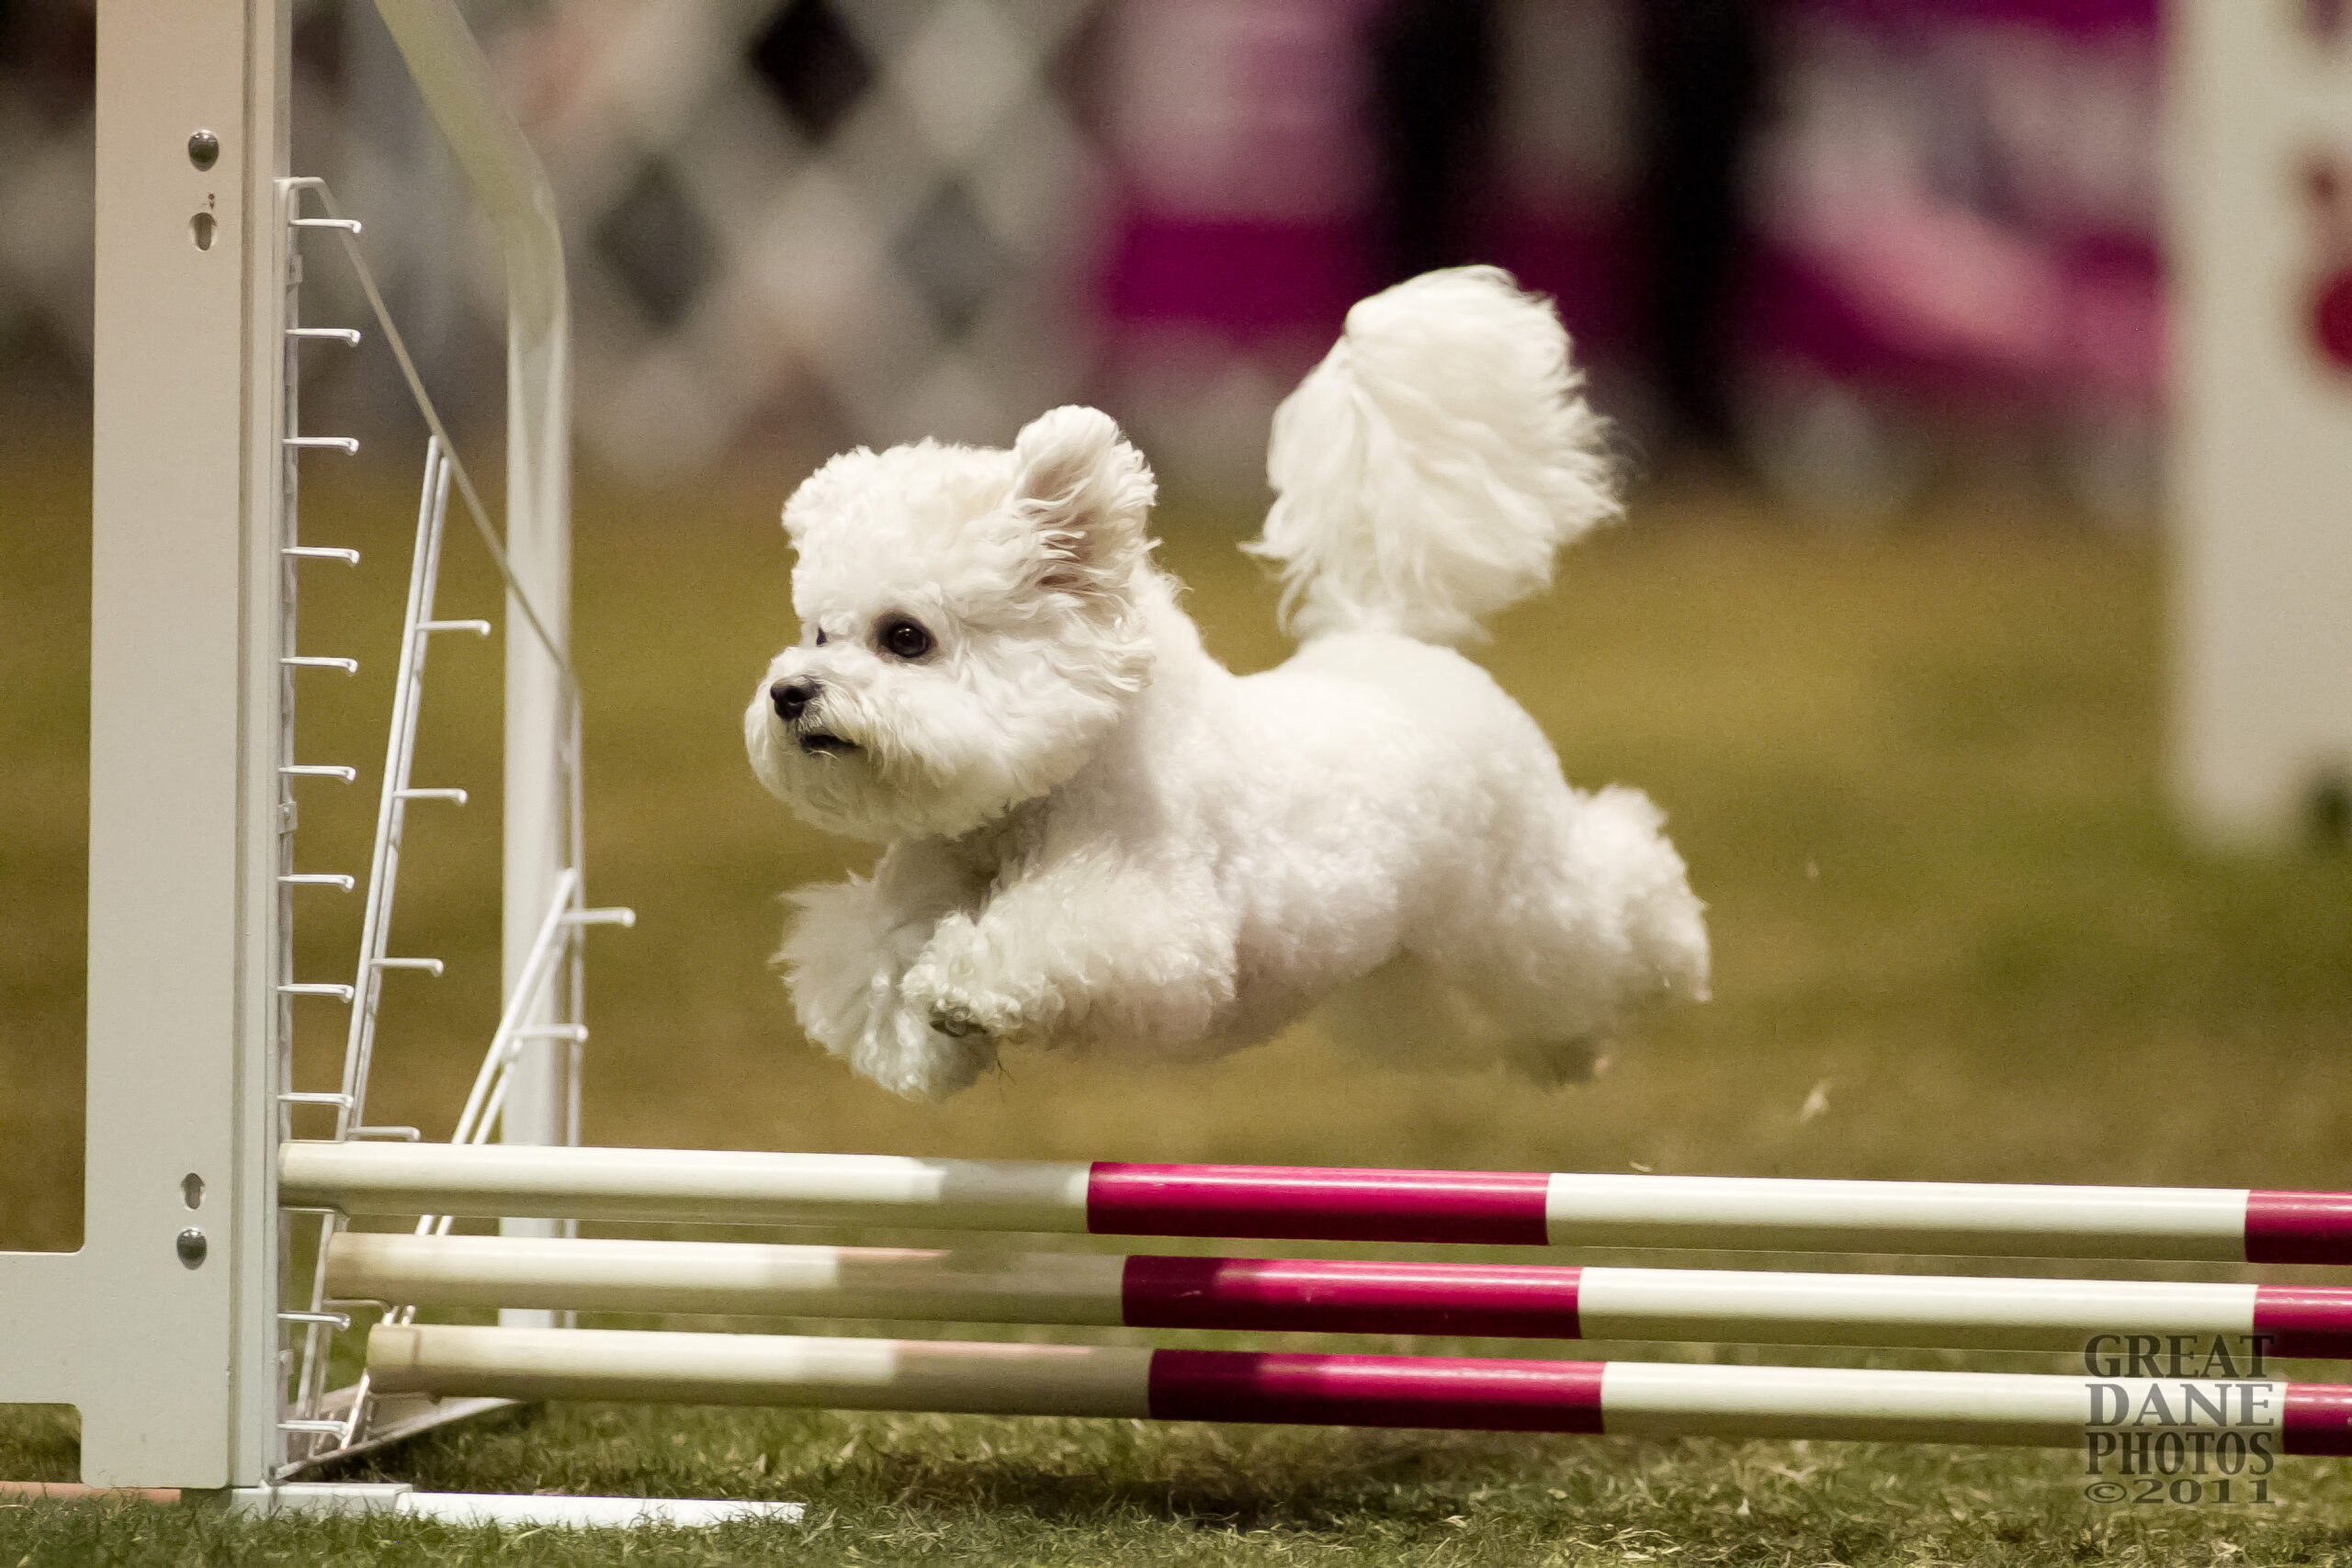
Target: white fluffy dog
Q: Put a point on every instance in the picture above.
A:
(1102, 839)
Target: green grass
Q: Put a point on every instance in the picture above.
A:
(1915, 777)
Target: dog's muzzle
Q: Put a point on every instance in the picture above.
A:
(792, 700)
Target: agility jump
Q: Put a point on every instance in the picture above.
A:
(1335, 1296)
(171, 1329)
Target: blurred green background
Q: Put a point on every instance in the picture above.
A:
(1914, 773)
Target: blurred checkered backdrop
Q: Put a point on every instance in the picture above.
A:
(801, 222)
(855, 215)
(798, 223)
(858, 210)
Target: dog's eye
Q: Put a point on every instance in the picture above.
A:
(821, 639)
(903, 638)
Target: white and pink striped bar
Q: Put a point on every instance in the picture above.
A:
(1651, 1398)
(1272, 1202)
(1267, 1295)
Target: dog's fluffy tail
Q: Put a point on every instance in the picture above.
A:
(1426, 472)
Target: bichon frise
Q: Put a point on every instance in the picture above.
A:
(1102, 839)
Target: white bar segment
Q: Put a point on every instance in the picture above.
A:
(1897, 1309)
(763, 1369)
(1674, 1399)
(505, 1510)
(976, 1285)
(1735, 1212)
(518, 1511)
(707, 1186)
(1644, 1398)
(1932, 1217)
(992, 1285)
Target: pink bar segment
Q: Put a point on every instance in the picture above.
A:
(2318, 1418)
(1505, 1301)
(1312, 1203)
(2304, 1320)
(1452, 1392)
(2299, 1228)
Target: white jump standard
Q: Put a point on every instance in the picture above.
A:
(194, 1359)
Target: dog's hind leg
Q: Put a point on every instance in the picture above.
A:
(1589, 916)
(1405, 1014)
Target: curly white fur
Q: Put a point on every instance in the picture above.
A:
(1427, 470)
(1101, 839)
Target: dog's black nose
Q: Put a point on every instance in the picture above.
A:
(791, 696)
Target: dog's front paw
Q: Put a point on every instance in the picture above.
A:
(951, 985)
(957, 1019)
(958, 1012)
(907, 1055)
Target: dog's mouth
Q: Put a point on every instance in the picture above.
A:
(823, 743)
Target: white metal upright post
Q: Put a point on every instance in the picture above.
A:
(2261, 483)
(170, 1305)
(512, 189)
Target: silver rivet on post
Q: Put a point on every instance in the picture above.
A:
(204, 148)
(191, 1246)
(192, 1189)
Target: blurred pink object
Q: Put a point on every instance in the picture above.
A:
(1236, 130)
(1958, 203)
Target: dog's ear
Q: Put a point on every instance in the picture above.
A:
(820, 494)
(1086, 492)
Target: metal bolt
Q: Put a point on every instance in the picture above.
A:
(204, 148)
(191, 1246)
